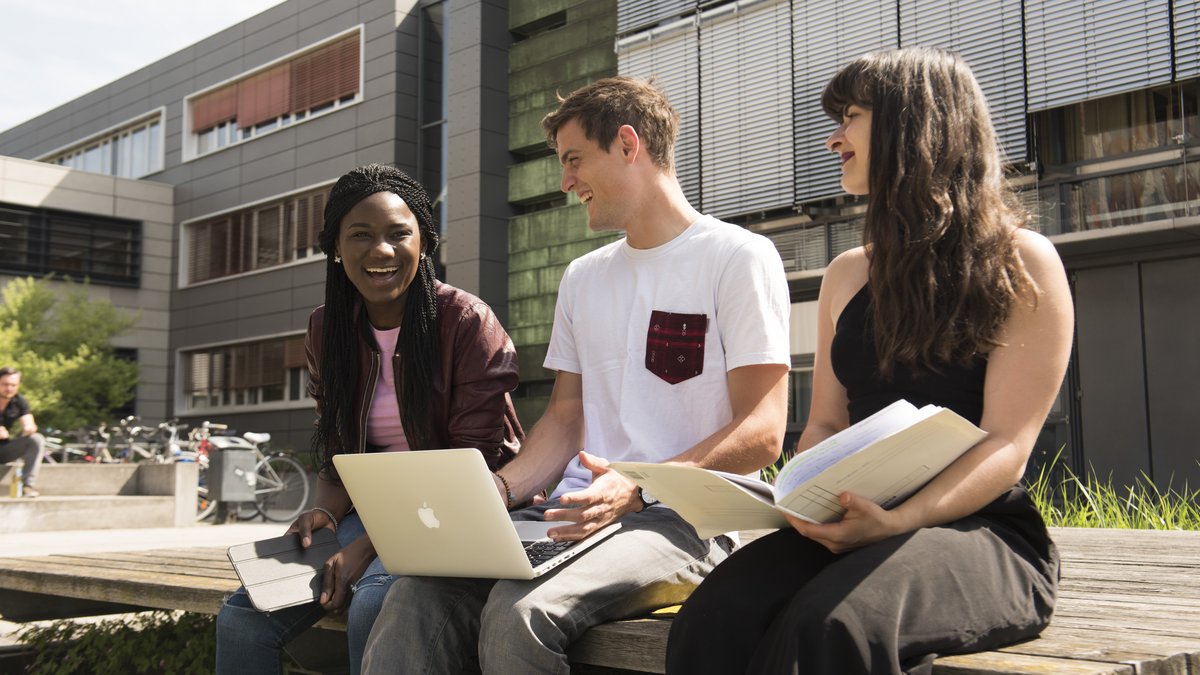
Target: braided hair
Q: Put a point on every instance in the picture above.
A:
(417, 345)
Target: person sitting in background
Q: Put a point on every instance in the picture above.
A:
(953, 302)
(397, 361)
(19, 437)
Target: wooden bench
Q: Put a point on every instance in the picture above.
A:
(1129, 603)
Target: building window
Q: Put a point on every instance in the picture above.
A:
(432, 105)
(257, 237)
(263, 373)
(1120, 160)
(134, 150)
(42, 241)
(312, 82)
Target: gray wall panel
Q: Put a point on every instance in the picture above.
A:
(1111, 373)
(1171, 309)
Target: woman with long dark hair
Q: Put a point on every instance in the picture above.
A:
(950, 301)
(397, 361)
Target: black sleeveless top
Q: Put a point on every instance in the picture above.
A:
(958, 387)
(856, 365)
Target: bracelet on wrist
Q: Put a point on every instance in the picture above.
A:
(327, 515)
(508, 495)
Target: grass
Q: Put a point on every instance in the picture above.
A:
(1068, 500)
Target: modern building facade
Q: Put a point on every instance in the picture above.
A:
(251, 127)
(1097, 105)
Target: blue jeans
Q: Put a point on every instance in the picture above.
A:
(448, 625)
(249, 641)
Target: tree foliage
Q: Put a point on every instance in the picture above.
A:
(61, 341)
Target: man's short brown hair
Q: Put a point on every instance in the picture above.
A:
(604, 106)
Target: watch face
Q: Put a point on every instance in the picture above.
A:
(647, 498)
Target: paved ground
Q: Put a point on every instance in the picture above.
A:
(93, 541)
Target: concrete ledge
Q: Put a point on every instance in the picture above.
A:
(98, 512)
(107, 496)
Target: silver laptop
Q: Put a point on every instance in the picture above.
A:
(437, 513)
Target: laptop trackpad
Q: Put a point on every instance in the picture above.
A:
(533, 530)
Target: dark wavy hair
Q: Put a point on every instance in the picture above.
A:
(417, 345)
(944, 271)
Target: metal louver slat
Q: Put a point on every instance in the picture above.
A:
(668, 55)
(984, 35)
(746, 110)
(802, 248)
(828, 34)
(1085, 49)
(845, 236)
(633, 15)
(1187, 38)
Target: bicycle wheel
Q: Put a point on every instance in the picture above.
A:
(281, 492)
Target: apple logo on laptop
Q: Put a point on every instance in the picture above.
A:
(427, 518)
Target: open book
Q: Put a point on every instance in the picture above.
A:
(885, 458)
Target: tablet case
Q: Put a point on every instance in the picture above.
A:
(277, 573)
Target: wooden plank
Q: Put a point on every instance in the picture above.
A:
(639, 645)
(1001, 663)
(66, 567)
(1128, 602)
(1149, 654)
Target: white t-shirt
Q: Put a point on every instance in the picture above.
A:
(716, 277)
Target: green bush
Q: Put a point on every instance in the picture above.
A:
(152, 643)
(61, 340)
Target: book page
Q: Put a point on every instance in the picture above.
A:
(810, 463)
(887, 471)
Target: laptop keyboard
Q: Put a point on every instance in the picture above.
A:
(541, 551)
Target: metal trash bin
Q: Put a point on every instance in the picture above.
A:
(231, 476)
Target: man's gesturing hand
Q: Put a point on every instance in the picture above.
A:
(609, 497)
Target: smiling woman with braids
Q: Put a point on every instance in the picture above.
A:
(397, 361)
(951, 301)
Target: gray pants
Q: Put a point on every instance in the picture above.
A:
(28, 448)
(447, 625)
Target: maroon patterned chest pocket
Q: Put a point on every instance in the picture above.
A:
(675, 345)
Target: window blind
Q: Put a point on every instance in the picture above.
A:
(264, 96)
(633, 15)
(215, 108)
(746, 108)
(1083, 49)
(1187, 39)
(316, 78)
(668, 55)
(326, 74)
(985, 35)
(828, 34)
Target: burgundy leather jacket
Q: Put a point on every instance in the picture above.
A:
(471, 406)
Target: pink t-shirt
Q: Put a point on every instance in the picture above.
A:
(383, 420)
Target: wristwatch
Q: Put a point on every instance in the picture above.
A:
(648, 499)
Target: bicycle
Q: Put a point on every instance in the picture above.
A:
(280, 483)
(81, 445)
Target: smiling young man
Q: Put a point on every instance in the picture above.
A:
(670, 344)
(19, 438)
